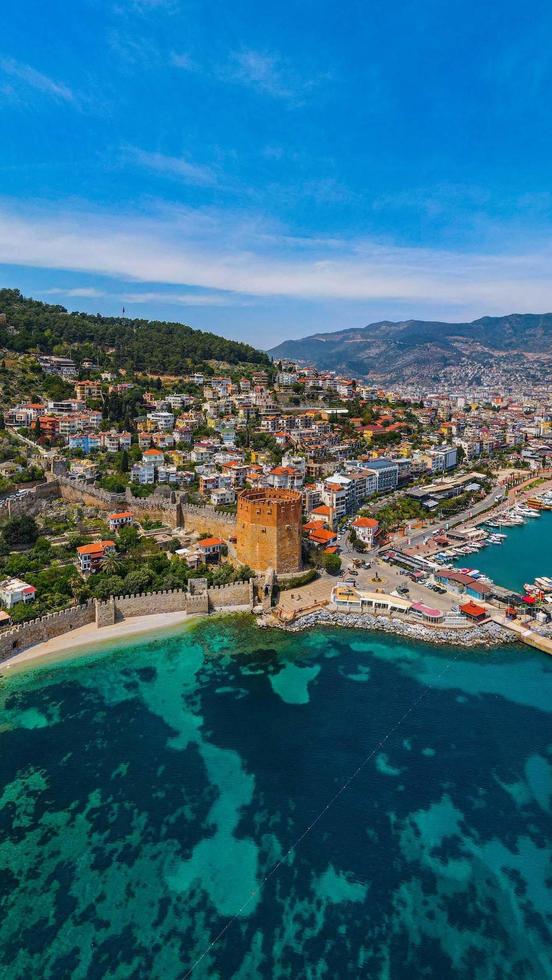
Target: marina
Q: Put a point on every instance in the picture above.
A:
(515, 550)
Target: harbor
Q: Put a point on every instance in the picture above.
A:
(493, 566)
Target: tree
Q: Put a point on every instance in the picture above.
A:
(128, 537)
(20, 530)
(112, 564)
(108, 585)
(138, 581)
(332, 563)
(124, 461)
(114, 484)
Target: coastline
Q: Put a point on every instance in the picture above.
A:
(88, 637)
(486, 635)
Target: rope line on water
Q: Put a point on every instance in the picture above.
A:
(425, 693)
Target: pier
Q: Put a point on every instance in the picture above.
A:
(525, 634)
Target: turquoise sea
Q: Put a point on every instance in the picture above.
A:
(166, 810)
(525, 554)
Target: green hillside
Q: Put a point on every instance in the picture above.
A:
(137, 345)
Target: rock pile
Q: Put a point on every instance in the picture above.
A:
(487, 634)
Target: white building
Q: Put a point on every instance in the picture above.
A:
(143, 472)
(442, 459)
(223, 496)
(14, 590)
(164, 421)
(366, 529)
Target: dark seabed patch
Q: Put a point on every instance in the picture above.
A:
(145, 795)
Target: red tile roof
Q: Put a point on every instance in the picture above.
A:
(96, 548)
(472, 609)
(365, 522)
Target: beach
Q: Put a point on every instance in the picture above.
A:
(90, 636)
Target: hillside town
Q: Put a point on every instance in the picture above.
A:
(364, 470)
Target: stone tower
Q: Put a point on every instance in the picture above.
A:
(269, 529)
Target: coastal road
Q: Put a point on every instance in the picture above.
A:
(468, 514)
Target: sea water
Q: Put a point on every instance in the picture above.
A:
(253, 804)
(525, 554)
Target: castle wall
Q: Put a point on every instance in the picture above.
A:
(238, 595)
(158, 506)
(39, 630)
(33, 503)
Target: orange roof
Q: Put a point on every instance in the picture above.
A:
(322, 536)
(365, 522)
(210, 542)
(472, 609)
(96, 548)
(153, 452)
(123, 513)
(323, 509)
(312, 526)
(332, 550)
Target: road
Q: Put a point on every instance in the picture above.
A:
(466, 515)
(400, 541)
(33, 445)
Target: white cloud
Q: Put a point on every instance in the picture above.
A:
(267, 72)
(208, 251)
(190, 173)
(85, 292)
(29, 77)
(185, 299)
(262, 71)
(182, 60)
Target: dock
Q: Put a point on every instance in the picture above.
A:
(523, 632)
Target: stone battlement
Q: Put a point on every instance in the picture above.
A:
(44, 628)
(107, 612)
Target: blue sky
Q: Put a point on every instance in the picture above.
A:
(270, 170)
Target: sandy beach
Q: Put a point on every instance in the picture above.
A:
(67, 644)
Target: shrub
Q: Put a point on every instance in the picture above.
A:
(298, 580)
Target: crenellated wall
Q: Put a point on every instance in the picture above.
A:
(18, 638)
(237, 595)
(35, 502)
(204, 519)
(166, 505)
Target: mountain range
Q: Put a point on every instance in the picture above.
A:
(409, 349)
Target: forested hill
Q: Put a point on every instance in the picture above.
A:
(139, 345)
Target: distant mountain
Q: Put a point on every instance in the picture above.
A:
(141, 345)
(408, 348)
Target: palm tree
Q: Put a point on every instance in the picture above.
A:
(111, 564)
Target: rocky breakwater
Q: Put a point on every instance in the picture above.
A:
(486, 634)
